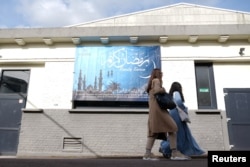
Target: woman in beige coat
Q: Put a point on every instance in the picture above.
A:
(159, 120)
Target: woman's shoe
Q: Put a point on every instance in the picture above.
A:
(177, 155)
(150, 157)
(164, 155)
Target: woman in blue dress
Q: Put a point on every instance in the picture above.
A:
(186, 143)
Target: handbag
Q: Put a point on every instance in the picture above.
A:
(165, 101)
(183, 115)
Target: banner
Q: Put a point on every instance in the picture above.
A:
(114, 73)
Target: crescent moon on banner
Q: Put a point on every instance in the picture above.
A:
(145, 77)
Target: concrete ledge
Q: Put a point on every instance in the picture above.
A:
(207, 111)
(52, 155)
(146, 30)
(32, 110)
(112, 110)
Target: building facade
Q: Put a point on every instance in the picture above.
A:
(206, 49)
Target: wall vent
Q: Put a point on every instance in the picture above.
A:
(72, 144)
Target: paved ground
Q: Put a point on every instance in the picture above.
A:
(99, 162)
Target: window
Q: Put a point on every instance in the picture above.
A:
(14, 81)
(205, 86)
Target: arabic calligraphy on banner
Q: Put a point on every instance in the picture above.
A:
(114, 73)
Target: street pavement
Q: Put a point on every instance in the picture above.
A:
(100, 162)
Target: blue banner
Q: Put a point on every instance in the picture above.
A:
(114, 73)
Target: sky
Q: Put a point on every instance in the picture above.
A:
(60, 13)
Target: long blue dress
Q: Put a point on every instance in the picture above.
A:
(186, 143)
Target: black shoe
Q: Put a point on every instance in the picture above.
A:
(164, 155)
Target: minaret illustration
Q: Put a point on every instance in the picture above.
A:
(100, 81)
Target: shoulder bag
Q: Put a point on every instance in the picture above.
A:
(165, 101)
(183, 115)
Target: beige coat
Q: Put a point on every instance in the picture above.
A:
(159, 121)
